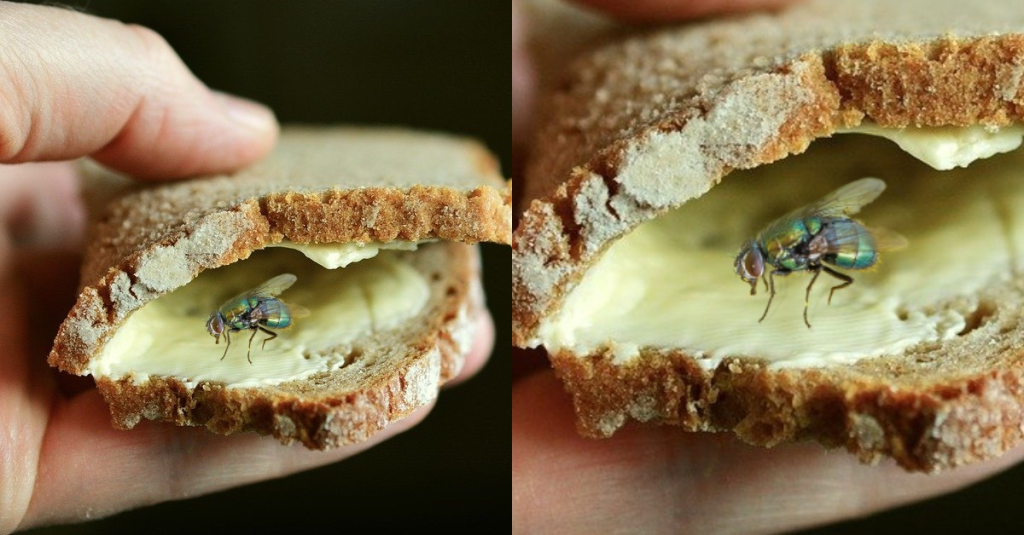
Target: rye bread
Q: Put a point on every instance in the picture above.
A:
(321, 185)
(639, 127)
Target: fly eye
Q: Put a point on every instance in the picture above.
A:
(215, 326)
(753, 265)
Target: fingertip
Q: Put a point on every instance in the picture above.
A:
(254, 127)
(214, 133)
(247, 114)
(480, 351)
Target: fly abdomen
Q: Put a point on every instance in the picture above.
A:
(274, 313)
(851, 245)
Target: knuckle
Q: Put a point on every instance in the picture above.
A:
(154, 48)
(16, 116)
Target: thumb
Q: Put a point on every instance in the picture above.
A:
(76, 85)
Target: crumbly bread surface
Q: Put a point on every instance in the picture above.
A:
(642, 126)
(321, 185)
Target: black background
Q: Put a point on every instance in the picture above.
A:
(432, 64)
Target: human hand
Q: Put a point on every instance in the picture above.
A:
(659, 479)
(75, 85)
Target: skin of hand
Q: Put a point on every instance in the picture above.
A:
(661, 480)
(75, 85)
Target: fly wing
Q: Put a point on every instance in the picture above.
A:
(275, 310)
(848, 237)
(841, 203)
(844, 201)
(888, 240)
(298, 311)
(270, 288)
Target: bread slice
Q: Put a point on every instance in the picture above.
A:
(383, 333)
(632, 144)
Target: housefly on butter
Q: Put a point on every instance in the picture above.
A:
(257, 310)
(817, 236)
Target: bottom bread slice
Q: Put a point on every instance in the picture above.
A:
(387, 374)
(928, 410)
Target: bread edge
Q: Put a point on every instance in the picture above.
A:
(232, 234)
(327, 419)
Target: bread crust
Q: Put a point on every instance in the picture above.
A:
(645, 125)
(871, 410)
(321, 185)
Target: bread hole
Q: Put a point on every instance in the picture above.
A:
(936, 52)
(356, 353)
(977, 317)
(902, 313)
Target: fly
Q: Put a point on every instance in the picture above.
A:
(257, 309)
(815, 237)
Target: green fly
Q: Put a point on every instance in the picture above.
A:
(817, 236)
(257, 310)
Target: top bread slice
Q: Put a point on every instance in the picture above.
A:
(643, 126)
(319, 186)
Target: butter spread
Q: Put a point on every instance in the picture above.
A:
(670, 283)
(167, 336)
(945, 148)
(338, 255)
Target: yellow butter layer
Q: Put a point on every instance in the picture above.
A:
(167, 336)
(945, 148)
(670, 283)
(336, 255)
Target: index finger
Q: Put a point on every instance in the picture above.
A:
(75, 85)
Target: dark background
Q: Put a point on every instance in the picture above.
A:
(432, 64)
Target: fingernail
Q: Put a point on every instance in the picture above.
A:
(247, 113)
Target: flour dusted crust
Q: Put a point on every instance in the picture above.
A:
(321, 185)
(642, 126)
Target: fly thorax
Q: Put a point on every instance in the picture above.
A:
(817, 246)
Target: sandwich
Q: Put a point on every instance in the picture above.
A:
(337, 277)
(659, 158)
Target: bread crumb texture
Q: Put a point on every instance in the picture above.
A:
(321, 185)
(639, 127)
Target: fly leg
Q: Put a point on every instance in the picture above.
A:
(249, 352)
(227, 337)
(771, 289)
(272, 336)
(847, 280)
(807, 296)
